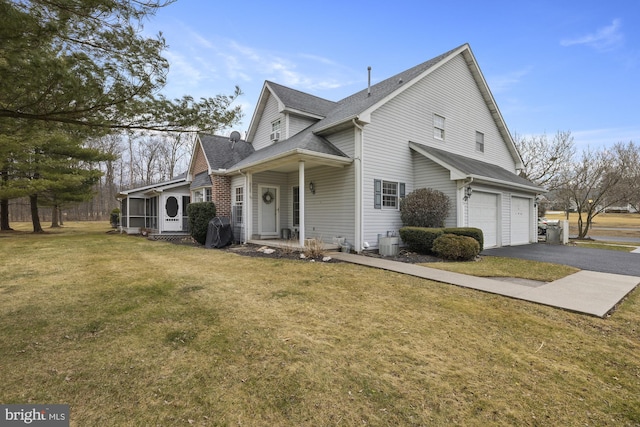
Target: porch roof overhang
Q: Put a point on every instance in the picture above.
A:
(151, 190)
(464, 168)
(288, 162)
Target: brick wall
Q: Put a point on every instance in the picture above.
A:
(200, 163)
(221, 195)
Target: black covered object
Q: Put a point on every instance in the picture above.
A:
(219, 233)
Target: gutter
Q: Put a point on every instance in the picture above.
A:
(294, 152)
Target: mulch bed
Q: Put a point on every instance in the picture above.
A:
(253, 250)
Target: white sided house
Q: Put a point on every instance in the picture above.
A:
(158, 208)
(314, 168)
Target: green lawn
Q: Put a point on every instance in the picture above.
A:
(131, 332)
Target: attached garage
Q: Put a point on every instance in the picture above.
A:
(520, 220)
(483, 214)
(500, 202)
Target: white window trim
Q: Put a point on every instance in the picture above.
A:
(439, 124)
(480, 144)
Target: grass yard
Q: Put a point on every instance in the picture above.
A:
(131, 332)
(490, 266)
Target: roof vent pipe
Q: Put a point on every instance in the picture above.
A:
(369, 84)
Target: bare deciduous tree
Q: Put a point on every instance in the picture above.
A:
(595, 182)
(629, 190)
(544, 159)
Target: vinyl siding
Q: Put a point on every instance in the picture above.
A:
(449, 91)
(297, 124)
(263, 131)
(329, 212)
(344, 141)
(428, 174)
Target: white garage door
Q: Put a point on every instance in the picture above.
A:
(520, 220)
(483, 214)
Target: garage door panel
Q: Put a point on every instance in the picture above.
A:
(520, 220)
(483, 214)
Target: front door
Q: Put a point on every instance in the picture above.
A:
(172, 220)
(268, 220)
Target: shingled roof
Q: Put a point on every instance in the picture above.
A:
(353, 105)
(331, 115)
(303, 141)
(300, 101)
(465, 167)
(221, 153)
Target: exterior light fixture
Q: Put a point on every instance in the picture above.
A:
(467, 193)
(312, 187)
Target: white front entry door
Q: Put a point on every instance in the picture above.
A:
(268, 211)
(172, 215)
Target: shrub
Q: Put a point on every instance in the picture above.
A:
(456, 248)
(425, 207)
(420, 239)
(114, 217)
(473, 232)
(313, 248)
(199, 216)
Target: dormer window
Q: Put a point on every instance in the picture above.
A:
(275, 131)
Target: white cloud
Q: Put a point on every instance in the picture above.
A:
(596, 138)
(299, 71)
(504, 82)
(605, 38)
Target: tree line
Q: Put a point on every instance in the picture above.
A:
(75, 75)
(134, 159)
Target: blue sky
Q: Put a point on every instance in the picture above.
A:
(551, 65)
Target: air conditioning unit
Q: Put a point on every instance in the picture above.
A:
(275, 136)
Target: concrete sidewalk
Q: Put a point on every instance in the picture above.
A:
(587, 292)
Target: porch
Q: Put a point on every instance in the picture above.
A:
(293, 244)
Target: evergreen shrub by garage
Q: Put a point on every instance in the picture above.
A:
(420, 239)
(456, 248)
(476, 233)
(199, 216)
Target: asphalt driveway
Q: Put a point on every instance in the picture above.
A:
(601, 260)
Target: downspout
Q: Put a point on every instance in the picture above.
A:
(358, 187)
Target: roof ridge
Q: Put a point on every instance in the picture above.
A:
(271, 82)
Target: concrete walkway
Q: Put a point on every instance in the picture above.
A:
(586, 292)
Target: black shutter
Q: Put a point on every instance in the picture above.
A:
(377, 194)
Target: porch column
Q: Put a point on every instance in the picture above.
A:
(301, 192)
(248, 208)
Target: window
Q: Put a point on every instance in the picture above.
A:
(198, 196)
(207, 194)
(480, 142)
(387, 194)
(438, 127)
(275, 131)
(296, 206)
(238, 202)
